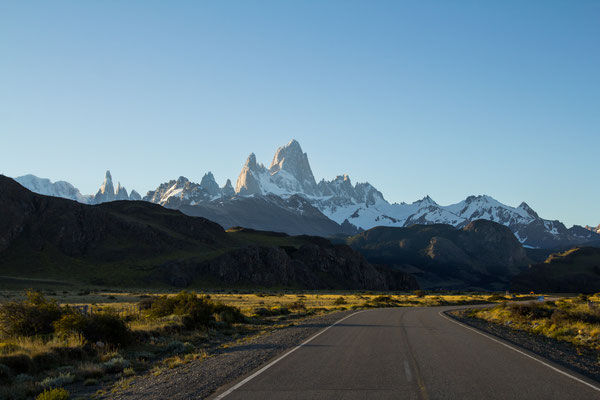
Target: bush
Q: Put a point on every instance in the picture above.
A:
(419, 293)
(70, 323)
(340, 301)
(18, 363)
(107, 327)
(228, 314)
(103, 327)
(116, 364)
(177, 347)
(298, 305)
(4, 372)
(262, 312)
(54, 394)
(496, 297)
(196, 311)
(33, 316)
(531, 310)
(58, 381)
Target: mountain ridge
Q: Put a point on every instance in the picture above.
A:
(352, 207)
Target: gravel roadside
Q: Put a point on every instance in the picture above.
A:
(200, 379)
(582, 360)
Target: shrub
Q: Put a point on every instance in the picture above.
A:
(70, 323)
(228, 314)
(298, 305)
(116, 364)
(496, 297)
(54, 394)
(58, 381)
(196, 311)
(4, 372)
(262, 312)
(177, 347)
(90, 382)
(419, 293)
(107, 327)
(339, 301)
(90, 370)
(18, 363)
(23, 378)
(104, 327)
(30, 317)
(531, 310)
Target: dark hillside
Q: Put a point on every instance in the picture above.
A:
(483, 254)
(135, 243)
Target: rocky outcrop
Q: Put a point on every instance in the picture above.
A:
(312, 266)
(106, 191)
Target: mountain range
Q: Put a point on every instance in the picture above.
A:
(286, 197)
(141, 244)
(595, 229)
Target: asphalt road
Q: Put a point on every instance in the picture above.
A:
(407, 353)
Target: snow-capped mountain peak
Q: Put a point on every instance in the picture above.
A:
(107, 185)
(49, 188)
(121, 193)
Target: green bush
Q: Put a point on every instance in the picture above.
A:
(70, 323)
(54, 394)
(228, 314)
(107, 327)
(33, 316)
(196, 311)
(101, 327)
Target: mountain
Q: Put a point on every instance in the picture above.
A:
(56, 189)
(363, 206)
(574, 271)
(293, 215)
(182, 191)
(286, 197)
(482, 254)
(140, 244)
(65, 190)
(595, 229)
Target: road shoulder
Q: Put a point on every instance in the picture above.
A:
(581, 360)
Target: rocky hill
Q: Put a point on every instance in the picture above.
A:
(483, 254)
(573, 271)
(136, 243)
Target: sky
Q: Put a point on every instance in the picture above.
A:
(440, 98)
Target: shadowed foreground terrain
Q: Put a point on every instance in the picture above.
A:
(135, 243)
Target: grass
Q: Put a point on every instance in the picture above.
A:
(568, 319)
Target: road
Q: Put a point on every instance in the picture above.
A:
(407, 353)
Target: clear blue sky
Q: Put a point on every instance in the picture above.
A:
(446, 98)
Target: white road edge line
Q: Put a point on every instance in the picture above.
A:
(442, 314)
(407, 371)
(266, 367)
